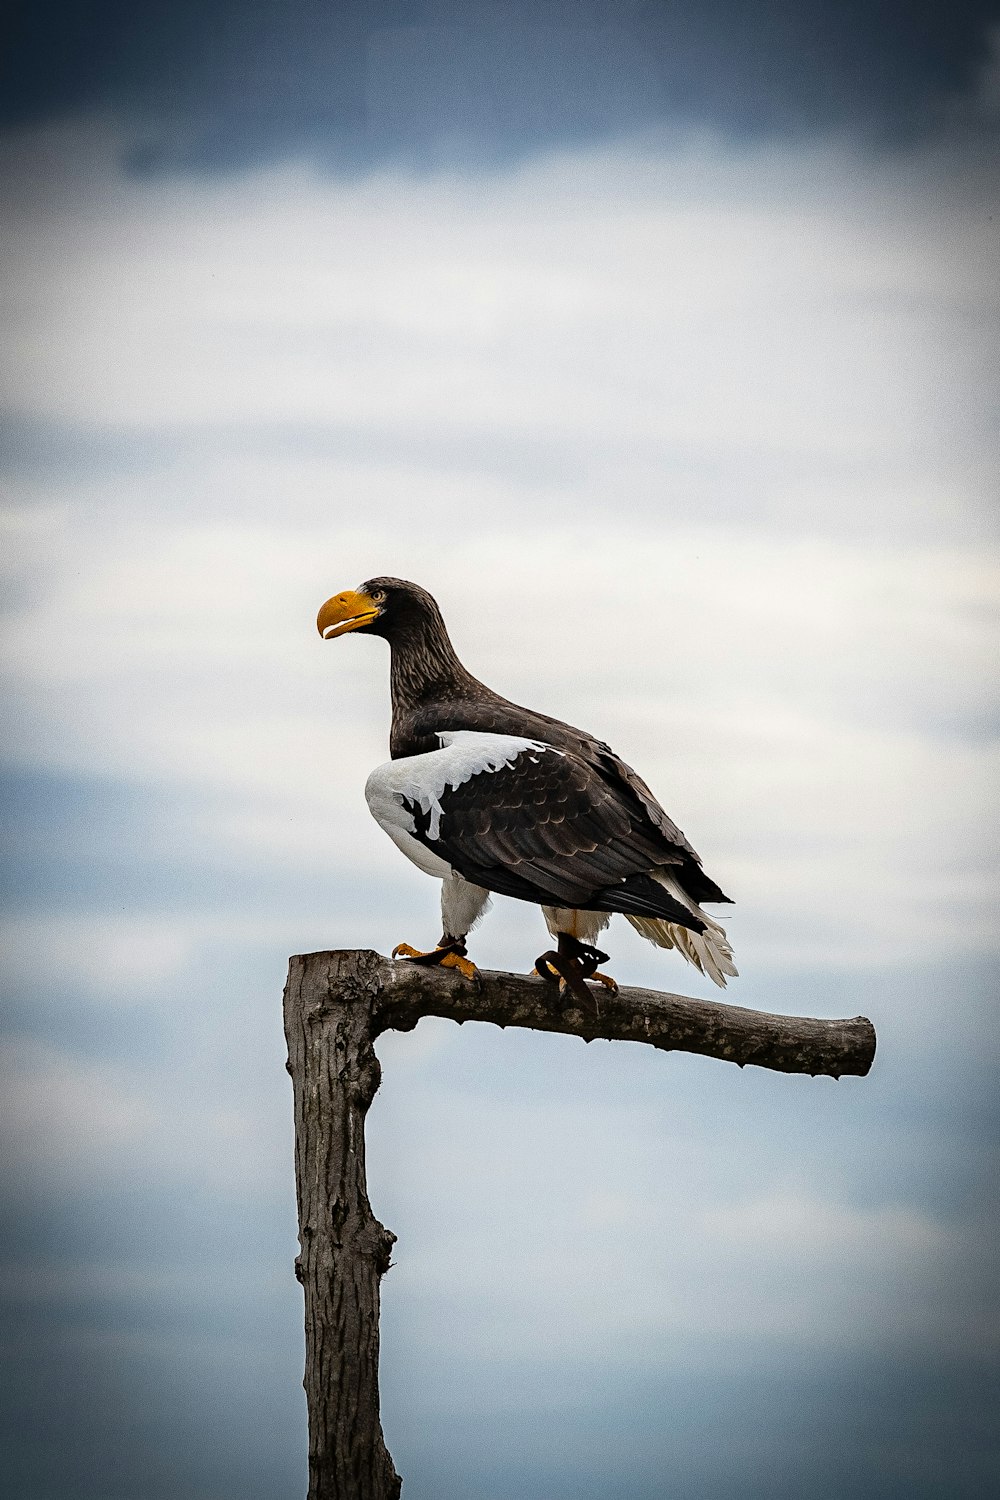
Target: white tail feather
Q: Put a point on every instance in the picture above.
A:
(709, 951)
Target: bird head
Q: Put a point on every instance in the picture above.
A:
(380, 607)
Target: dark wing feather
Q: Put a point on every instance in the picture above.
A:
(699, 886)
(418, 731)
(549, 828)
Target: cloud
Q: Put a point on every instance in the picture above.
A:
(480, 84)
(693, 443)
(110, 955)
(714, 302)
(793, 702)
(742, 396)
(64, 1111)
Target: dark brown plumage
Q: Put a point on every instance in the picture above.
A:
(595, 805)
(547, 814)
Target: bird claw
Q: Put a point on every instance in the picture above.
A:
(572, 964)
(465, 966)
(571, 975)
(446, 956)
(549, 966)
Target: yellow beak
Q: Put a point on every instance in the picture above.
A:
(344, 612)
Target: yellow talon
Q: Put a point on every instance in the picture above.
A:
(448, 959)
(465, 966)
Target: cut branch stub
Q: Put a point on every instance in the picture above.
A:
(336, 1004)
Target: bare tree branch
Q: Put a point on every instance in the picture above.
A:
(336, 1004)
(674, 1023)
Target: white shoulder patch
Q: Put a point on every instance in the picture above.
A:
(424, 779)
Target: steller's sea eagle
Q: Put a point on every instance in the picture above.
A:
(489, 796)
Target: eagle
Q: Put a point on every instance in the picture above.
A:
(494, 798)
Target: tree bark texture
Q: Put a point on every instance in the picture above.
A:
(344, 1250)
(336, 1004)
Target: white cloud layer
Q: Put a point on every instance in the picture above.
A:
(811, 711)
(695, 445)
(691, 441)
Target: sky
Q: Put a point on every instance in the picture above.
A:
(659, 342)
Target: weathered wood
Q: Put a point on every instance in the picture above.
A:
(344, 1250)
(336, 1004)
(674, 1023)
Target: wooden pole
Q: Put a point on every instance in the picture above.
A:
(344, 1250)
(336, 1004)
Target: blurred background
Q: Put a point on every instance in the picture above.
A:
(658, 340)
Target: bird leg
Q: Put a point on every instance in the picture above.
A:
(572, 964)
(449, 953)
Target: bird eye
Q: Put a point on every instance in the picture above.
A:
(377, 596)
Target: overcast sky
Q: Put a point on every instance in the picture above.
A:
(661, 347)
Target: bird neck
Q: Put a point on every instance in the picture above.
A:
(424, 668)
